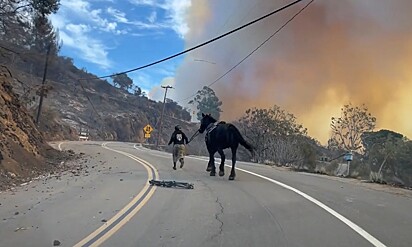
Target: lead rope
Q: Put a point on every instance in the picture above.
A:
(194, 136)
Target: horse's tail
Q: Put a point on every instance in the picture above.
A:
(242, 141)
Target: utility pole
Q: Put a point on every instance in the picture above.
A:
(161, 116)
(42, 85)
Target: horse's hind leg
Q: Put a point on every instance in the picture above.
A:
(222, 162)
(233, 172)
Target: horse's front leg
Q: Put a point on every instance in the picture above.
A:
(211, 158)
(211, 165)
(222, 162)
(233, 172)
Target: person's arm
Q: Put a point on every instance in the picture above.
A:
(172, 138)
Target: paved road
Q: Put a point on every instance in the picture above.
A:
(110, 204)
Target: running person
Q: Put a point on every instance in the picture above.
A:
(179, 140)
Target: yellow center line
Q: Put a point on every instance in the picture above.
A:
(104, 232)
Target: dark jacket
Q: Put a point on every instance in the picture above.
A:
(178, 137)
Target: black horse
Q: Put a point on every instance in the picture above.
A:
(219, 136)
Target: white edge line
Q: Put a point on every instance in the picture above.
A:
(157, 155)
(60, 146)
(340, 217)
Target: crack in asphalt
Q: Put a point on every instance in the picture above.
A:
(217, 214)
(217, 217)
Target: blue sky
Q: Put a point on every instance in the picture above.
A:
(107, 36)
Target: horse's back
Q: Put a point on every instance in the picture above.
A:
(223, 136)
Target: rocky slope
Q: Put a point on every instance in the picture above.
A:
(23, 150)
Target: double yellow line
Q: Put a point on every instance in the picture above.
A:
(100, 235)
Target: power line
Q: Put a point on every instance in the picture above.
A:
(253, 51)
(10, 50)
(202, 44)
(22, 52)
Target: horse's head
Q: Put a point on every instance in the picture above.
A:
(205, 121)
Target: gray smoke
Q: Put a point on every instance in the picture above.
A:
(334, 53)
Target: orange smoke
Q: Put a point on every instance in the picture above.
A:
(334, 53)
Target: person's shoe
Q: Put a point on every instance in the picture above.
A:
(174, 168)
(182, 162)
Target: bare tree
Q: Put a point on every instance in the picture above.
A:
(349, 127)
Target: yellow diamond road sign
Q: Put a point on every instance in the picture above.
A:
(148, 129)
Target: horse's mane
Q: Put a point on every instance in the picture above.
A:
(211, 118)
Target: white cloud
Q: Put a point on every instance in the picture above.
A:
(77, 21)
(152, 3)
(84, 10)
(157, 92)
(118, 15)
(91, 50)
(142, 79)
(58, 21)
(152, 17)
(176, 13)
(111, 27)
(82, 26)
(79, 29)
(76, 5)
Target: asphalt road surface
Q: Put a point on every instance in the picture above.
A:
(108, 202)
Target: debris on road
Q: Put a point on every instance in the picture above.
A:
(169, 184)
(20, 229)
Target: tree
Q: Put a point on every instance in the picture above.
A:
(274, 133)
(13, 22)
(382, 149)
(206, 101)
(137, 91)
(44, 36)
(176, 111)
(371, 139)
(45, 7)
(404, 162)
(22, 19)
(349, 127)
(123, 80)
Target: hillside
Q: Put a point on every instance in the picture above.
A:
(23, 150)
(108, 112)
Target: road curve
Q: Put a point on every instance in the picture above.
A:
(264, 206)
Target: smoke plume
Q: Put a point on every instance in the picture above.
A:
(334, 53)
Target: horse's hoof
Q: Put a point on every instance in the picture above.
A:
(208, 169)
(212, 174)
(231, 178)
(221, 173)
